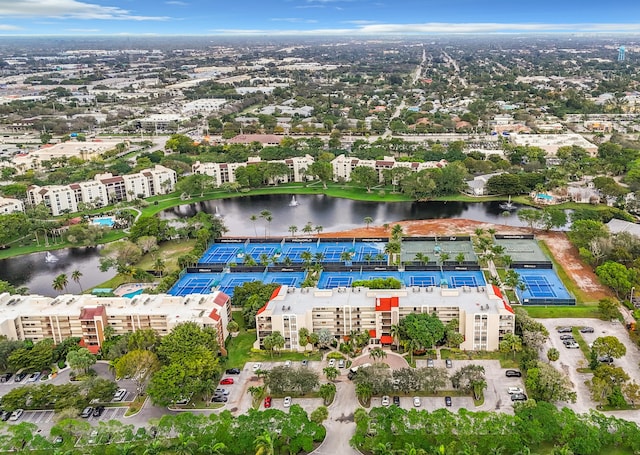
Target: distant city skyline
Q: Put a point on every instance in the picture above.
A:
(313, 17)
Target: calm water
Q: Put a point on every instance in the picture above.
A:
(35, 273)
(332, 214)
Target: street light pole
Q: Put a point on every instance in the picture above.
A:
(633, 288)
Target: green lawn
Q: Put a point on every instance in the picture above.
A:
(240, 349)
(545, 312)
(507, 360)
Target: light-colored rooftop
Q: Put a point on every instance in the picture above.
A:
(299, 301)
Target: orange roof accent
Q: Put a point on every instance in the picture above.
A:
(93, 349)
(275, 293)
(372, 333)
(385, 303)
(496, 291)
(386, 339)
(89, 314)
(264, 307)
(214, 315)
(221, 298)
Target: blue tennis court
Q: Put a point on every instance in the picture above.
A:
(457, 281)
(287, 279)
(367, 252)
(195, 283)
(422, 280)
(333, 253)
(229, 281)
(538, 286)
(295, 252)
(219, 255)
(256, 251)
(335, 281)
(542, 287)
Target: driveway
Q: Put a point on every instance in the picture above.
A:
(571, 359)
(395, 361)
(340, 425)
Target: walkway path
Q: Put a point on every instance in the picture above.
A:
(340, 425)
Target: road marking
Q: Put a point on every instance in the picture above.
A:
(50, 415)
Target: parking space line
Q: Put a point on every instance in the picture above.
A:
(50, 415)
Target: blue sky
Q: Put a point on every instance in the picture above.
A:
(314, 17)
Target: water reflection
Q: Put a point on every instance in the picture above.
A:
(34, 272)
(331, 213)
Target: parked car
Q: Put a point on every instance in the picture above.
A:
(97, 412)
(287, 402)
(256, 366)
(87, 412)
(513, 374)
(518, 397)
(564, 329)
(448, 363)
(267, 402)
(305, 363)
(447, 401)
(396, 400)
(219, 399)
(568, 342)
(120, 395)
(20, 377)
(4, 415)
(385, 400)
(221, 391)
(287, 363)
(33, 377)
(430, 363)
(572, 346)
(226, 381)
(341, 363)
(605, 359)
(586, 330)
(513, 390)
(15, 415)
(416, 402)
(566, 337)
(5, 377)
(232, 371)
(332, 362)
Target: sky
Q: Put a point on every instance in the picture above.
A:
(375, 18)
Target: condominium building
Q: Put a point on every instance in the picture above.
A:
(103, 190)
(34, 317)
(226, 172)
(342, 166)
(10, 205)
(483, 314)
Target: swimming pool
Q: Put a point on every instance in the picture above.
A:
(107, 221)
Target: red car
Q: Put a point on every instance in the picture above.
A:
(226, 381)
(267, 402)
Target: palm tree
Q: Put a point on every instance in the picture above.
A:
(159, 266)
(318, 229)
(377, 353)
(293, 229)
(75, 276)
(265, 444)
(395, 333)
(308, 228)
(253, 219)
(345, 256)
(421, 258)
(396, 232)
(368, 257)
(214, 448)
(368, 220)
(184, 445)
(364, 392)
(60, 282)
(266, 215)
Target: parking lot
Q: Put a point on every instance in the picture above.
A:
(572, 359)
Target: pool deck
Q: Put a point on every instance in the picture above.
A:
(132, 287)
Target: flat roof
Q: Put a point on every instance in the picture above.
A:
(299, 301)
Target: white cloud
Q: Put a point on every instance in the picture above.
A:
(83, 30)
(294, 20)
(9, 27)
(371, 28)
(68, 9)
(176, 3)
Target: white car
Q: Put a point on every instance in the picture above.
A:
(572, 346)
(513, 390)
(287, 363)
(416, 402)
(332, 362)
(385, 400)
(287, 402)
(15, 415)
(256, 367)
(120, 394)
